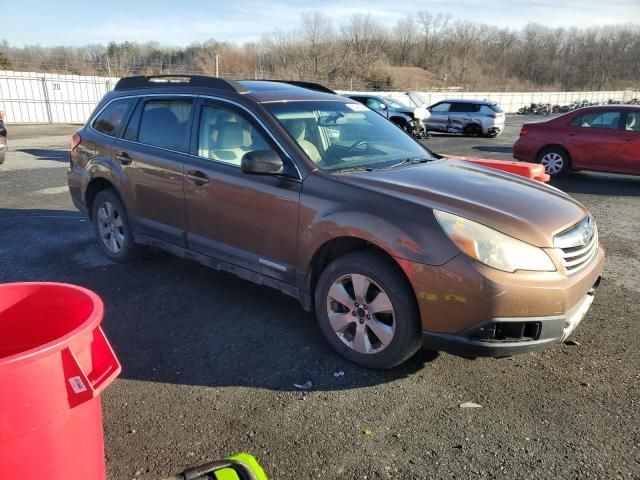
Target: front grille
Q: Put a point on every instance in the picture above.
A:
(578, 246)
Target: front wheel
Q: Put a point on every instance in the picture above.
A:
(366, 310)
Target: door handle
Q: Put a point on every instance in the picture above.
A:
(124, 158)
(198, 178)
(571, 134)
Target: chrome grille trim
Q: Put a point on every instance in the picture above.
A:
(575, 255)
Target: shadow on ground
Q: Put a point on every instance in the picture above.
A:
(599, 184)
(494, 149)
(175, 321)
(46, 154)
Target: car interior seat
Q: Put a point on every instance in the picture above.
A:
(297, 128)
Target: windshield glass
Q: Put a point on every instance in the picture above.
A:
(339, 136)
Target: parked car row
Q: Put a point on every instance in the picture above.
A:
(467, 117)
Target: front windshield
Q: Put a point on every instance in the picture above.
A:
(341, 137)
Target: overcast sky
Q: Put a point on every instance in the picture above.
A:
(181, 22)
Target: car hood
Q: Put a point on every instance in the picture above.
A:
(525, 209)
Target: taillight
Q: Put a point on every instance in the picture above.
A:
(75, 141)
(523, 131)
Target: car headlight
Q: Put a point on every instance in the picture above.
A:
(491, 247)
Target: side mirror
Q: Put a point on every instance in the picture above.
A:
(262, 162)
(382, 106)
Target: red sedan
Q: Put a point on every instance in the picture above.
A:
(604, 139)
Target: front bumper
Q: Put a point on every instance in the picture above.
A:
(462, 301)
(548, 331)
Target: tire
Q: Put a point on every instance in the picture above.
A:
(555, 161)
(472, 129)
(391, 334)
(112, 228)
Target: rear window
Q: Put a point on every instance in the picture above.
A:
(495, 107)
(111, 118)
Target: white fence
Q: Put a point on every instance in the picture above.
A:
(28, 97)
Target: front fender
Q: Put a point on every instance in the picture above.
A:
(331, 209)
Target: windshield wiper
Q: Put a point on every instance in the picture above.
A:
(353, 170)
(409, 161)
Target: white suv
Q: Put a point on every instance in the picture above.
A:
(469, 117)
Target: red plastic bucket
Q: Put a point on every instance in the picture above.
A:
(54, 362)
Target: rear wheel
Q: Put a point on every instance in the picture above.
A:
(472, 129)
(112, 228)
(366, 310)
(554, 160)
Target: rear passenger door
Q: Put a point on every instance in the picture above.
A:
(152, 153)
(247, 220)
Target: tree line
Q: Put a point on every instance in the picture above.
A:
(425, 50)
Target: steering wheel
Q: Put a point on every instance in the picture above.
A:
(356, 145)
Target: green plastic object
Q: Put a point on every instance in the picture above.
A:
(249, 461)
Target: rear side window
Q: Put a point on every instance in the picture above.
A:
(608, 120)
(462, 107)
(632, 122)
(165, 124)
(113, 116)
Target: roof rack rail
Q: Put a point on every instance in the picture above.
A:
(308, 85)
(149, 81)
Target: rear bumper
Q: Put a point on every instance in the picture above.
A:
(494, 130)
(549, 331)
(525, 150)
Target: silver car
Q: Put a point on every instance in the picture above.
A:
(469, 117)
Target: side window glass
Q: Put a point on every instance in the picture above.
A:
(632, 123)
(461, 107)
(441, 108)
(165, 124)
(373, 103)
(111, 118)
(225, 135)
(608, 120)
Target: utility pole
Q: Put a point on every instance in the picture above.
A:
(217, 65)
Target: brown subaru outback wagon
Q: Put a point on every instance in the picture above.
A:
(289, 185)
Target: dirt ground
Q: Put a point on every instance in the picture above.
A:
(209, 361)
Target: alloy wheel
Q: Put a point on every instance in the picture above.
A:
(361, 313)
(111, 227)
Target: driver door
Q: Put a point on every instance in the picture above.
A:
(247, 220)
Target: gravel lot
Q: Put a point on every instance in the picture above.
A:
(209, 361)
